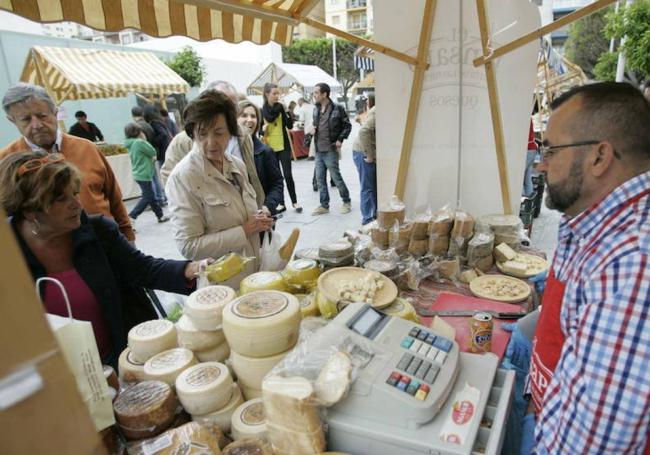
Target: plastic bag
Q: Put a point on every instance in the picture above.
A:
(394, 210)
(184, 439)
(223, 269)
(270, 259)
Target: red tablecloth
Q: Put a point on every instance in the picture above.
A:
(298, 139)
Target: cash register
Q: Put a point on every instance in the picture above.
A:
(407, 380)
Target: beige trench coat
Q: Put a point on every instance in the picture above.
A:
(208, 211)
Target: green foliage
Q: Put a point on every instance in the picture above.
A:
(633, 21)
(586, 41)
(319, 52)
(605, 69)
(187, 64)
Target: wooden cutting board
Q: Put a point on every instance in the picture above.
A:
(449, 302)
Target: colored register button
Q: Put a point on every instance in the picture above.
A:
(414, 332)
(421, 395)
(403, 384)
(407, 342)
(412, 388)
(430, 339)
(443, 344)
(394, 378)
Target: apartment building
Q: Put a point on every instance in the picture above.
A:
(352, 16)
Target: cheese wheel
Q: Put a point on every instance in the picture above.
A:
(150, 338)
(204, 388)
(219, 353)
(204, 306)
(262, 281)
(308, 305)
(222, 417)
(262, 323)
(302, 274)
(167, 365)
(194, 339)
(225, 268)
(326, 308)
(251, 370)
(129, 369)
(145, 409)
(248, 446)
(248, 420)
(401, 308)
(250, 393)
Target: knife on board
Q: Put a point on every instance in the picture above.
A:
(494, 314)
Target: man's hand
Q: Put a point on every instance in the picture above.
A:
(338, 146)
(258, 223)
(193, 269)
(368, 159)
(266, 210)
(311, 130)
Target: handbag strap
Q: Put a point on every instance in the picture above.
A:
(63, 291)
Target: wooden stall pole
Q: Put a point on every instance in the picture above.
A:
(497, 125)
(45, 82)
(414, 101)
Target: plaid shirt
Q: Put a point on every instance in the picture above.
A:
(599, 398)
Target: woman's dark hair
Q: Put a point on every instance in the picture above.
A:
(151, 113)
(246, 104)
(132, 130)
(267, 89)
(206, 107)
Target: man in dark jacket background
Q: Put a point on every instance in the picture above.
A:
(331, 127)
(85, 129)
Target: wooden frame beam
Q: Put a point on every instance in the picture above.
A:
(497, 124)
(540, 32)
(416, 92)
(249, 9)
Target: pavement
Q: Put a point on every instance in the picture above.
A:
(157, 240)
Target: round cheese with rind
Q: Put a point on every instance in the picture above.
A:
(302, 274)
(222, 417)
(150, 338)
(204, 388)
(194, 339)
(249, 392)
(402, 308)
(204, 306)
(129, 369)
(145, 409)
(167, 365)
(249, 446)
(326, 307)
(219, 353)
(251, 370)
(262, 281)
(262, 323)
(248, 420)
(308, 305)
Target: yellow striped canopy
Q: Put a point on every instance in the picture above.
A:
(259, 21)
(78, 73)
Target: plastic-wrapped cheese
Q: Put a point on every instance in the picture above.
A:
(151, 337)
(262, 323)
(248, 420)
(222, 417)
(145, 409)
(167, 365)
(197, 340)
(302, 274)
(326, 308)
(249, 446)
(204, 306)
(401, 308)
(219, 353)
(308, 305)
(129, 369)
(251, 370)
(204, 388)
(262, 281)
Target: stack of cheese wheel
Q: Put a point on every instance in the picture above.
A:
(167, 365)
(248, 420)
(262, 281)
(150, 338)
(130, 370)
(200, 327)
(260, 327)
(222, 417)
(302, 275)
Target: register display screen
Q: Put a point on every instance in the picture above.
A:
(366, 322)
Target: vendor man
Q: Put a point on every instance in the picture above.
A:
(589, 372)
(31, 109)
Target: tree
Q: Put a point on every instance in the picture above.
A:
(319, 52)
(187, 64)
(586, 41)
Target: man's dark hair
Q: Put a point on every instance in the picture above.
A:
(613, 111)
(80, 114)
(324, 88)
(206, 107)
(164, 112)
(132, 130)
(371, 100)
(151, 113)
(137, 111)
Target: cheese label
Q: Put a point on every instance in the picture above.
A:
(170, 358)
(203, 376)
(264, 278)
(260, 305)
(151, 328)
(253, 414)
(303, 264)
(211, 295)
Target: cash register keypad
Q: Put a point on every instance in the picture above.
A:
(425, 355)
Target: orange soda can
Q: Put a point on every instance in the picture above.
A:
(481, 333)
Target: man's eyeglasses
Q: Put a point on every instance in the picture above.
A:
(547, 151)
(37, 163)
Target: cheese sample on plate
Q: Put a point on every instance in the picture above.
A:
(205, 306)
(262, 323)
(204, 388)
(145, 409)
(249, 446)
(513, 268)
(129, 369)
(248, 420)
(503, 252)
(167, 365)
(197, 340)
(302, 274)
(262, 281)
(219, 353)
(251, 370)
(151, 337)
(222, 417)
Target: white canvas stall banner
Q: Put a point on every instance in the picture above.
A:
(453, 159)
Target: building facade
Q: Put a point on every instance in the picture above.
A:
(352, 16)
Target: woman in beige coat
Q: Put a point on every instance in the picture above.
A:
(212, 203)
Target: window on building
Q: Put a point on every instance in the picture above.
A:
(126, 39)
(357, 21)
(336, 20)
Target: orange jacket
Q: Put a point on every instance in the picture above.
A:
(100, 191)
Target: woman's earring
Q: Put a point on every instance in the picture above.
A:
(36, 228)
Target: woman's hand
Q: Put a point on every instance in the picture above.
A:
(258, 223)
(193, 269)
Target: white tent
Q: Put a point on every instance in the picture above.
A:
(292, 76)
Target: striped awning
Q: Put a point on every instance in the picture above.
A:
(79, 73)
(259, 21)
(364, 59)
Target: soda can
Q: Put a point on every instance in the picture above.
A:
(481, 333)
